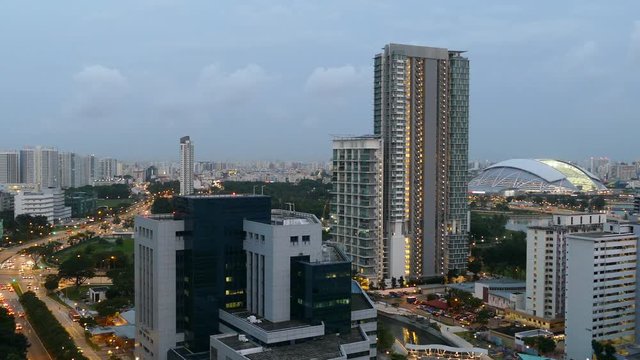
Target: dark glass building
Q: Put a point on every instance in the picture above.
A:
(211, 270)
(321, 291)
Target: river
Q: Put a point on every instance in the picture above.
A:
(521, 223)
(406, 333)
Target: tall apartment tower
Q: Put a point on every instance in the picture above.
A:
(9, 167)
(186, 166)
(47, 167)
(547, 260)
(28, 166)
(601, 289)
(421, 111)
(356, 205)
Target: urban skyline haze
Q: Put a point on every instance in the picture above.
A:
(274, 80)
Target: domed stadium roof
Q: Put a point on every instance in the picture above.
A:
(535, 175)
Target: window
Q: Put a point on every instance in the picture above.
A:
(306, 238)
(262, 238)
(293, 239)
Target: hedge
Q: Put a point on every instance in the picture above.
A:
(55, 338)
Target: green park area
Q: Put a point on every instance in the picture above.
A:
(97, 246)
(113, 202)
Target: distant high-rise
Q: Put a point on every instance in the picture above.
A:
(186, 166)
(28, 166)
(40, 166)
(9, 167)
(108, 169)
(421, 111)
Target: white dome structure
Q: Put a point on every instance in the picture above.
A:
(535, 175)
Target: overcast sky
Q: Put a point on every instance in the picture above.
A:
(275, 79)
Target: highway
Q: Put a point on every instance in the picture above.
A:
(12, 263)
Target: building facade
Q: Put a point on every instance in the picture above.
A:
(356, 205)
(546, 261)
(48, 203)
(421, 112)
(28, 166)
(9, 167)
(186, 166)
(601, 290)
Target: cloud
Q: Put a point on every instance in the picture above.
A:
(336, 81)
(231, 87)
(99, 92)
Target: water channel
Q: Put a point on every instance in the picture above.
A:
(409, 334)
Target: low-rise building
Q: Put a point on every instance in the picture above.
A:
(48, 202)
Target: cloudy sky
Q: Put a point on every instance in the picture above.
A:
(275, 79)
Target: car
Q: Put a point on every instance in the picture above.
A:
(18, 327)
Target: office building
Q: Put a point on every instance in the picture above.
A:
(546, 261)
(207, 273)
(601, 290)
(81, 203)
(48, 202)
(186, 166)
(421, 111)
(228, 264)
(300, 300)
(9, 167)
(356, 206)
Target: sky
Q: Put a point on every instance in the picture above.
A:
(267, 80)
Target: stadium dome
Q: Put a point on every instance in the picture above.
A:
(535, 175)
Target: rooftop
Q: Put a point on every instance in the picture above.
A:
(359, 300)
(599, 235)
(236, 344)
(222, 196)
(324, 348)
(286, 217)
(266, 324)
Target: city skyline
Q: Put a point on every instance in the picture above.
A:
(197, 81)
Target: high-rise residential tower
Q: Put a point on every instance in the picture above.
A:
(9, 167)
(186, 166)
(421, 111)
(28, 166)
(547, 261)
(356, 205)
(47, 167)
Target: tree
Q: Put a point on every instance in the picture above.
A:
(597, 203)
(483, 316)
(475, 267)
(12, 345)
(111, 306)
(401, 281)
(382, 283)
(543, 344)
(162, 206)
(36, 252)
(51, 282)
(394, 282)
(385, 338)
(78, 269)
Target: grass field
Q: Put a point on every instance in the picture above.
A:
(97, 246)
(112, 202)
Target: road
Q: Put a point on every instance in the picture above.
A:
(36, 350)
(12, 263)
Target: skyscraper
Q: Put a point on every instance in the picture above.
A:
(421, 111)
(356, 205)
(28, 166)
(47, 167)
(9, 167)
(186, 166)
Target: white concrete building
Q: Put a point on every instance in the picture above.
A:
(356, 206)
(48, 202)
(600, 290)
(157, 240)
(546, 261)
(186, 166)
(269, 249)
